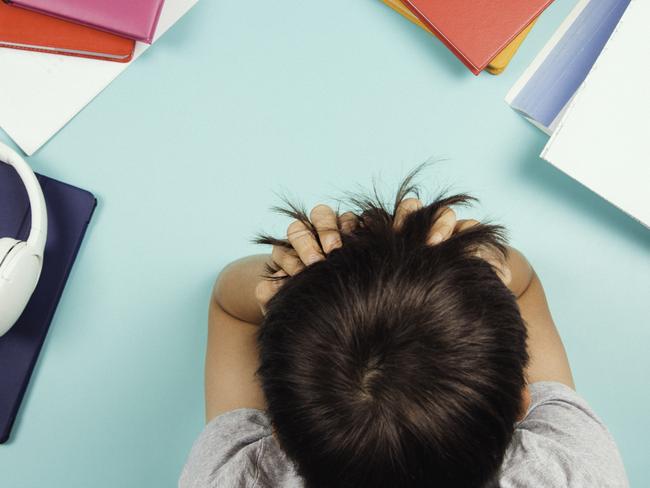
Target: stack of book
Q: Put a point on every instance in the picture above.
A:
(42, 93)
(95, 29)
(588, 89)
(483, 34)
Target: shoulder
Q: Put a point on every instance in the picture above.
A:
(237, 448)
(561, 443)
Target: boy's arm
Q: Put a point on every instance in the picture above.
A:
(548, 359)
(236, 288)
(232, 355)
(236, 310)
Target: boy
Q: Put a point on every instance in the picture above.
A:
(391, 348)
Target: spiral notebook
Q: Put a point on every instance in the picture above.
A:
(69, 211)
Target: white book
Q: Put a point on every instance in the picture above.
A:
(523, 80)
(545, 90)
(40, 93)
(603, 139)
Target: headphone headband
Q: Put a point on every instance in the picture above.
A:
(38, 232)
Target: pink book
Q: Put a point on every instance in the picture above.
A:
(135, 19)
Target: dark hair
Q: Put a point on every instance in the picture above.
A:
(393, 363)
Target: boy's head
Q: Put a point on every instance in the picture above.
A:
(393, 363)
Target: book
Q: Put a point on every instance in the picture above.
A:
(497, 65)
(476, 31)
(23, 29)
(546, 88)
(602, 138)
(69, 211)
(45, 92)
(127, 18)
(501, 61)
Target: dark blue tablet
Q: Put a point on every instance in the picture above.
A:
(69, 211)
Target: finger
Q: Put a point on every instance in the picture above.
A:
(324, 219)
(303, 241)
(348, 221)
(267, 288)
(285, 259)
(465, 224)
(406, 206)
(443, 226)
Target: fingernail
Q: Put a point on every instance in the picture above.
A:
(436, 238)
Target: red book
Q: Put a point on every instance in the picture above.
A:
(476, 30)
(31, 31)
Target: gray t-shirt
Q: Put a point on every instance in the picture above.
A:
(560, 443)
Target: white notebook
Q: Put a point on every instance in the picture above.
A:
(537, 63)
(603, 138)
(546, 89)
(40, 93)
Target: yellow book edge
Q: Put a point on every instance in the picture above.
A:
(500, 61)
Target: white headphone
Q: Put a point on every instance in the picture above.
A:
(21, 261)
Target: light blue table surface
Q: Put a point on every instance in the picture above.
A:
(185, 152)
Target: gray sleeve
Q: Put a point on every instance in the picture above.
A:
(231, 440)
(561, 443)
(237, 449)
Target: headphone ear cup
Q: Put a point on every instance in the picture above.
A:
(19, 273)
(6, 245)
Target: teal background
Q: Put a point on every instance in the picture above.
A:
(184, 152)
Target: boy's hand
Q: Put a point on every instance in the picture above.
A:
(445, 226)
(306, 249)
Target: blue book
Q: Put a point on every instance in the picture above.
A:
(69, 210)
(548, 85)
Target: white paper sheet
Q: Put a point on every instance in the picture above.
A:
(41, 93)
(603, 139)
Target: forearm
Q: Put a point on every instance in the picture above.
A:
(234, 290)
(232, 357)
(548, 358)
